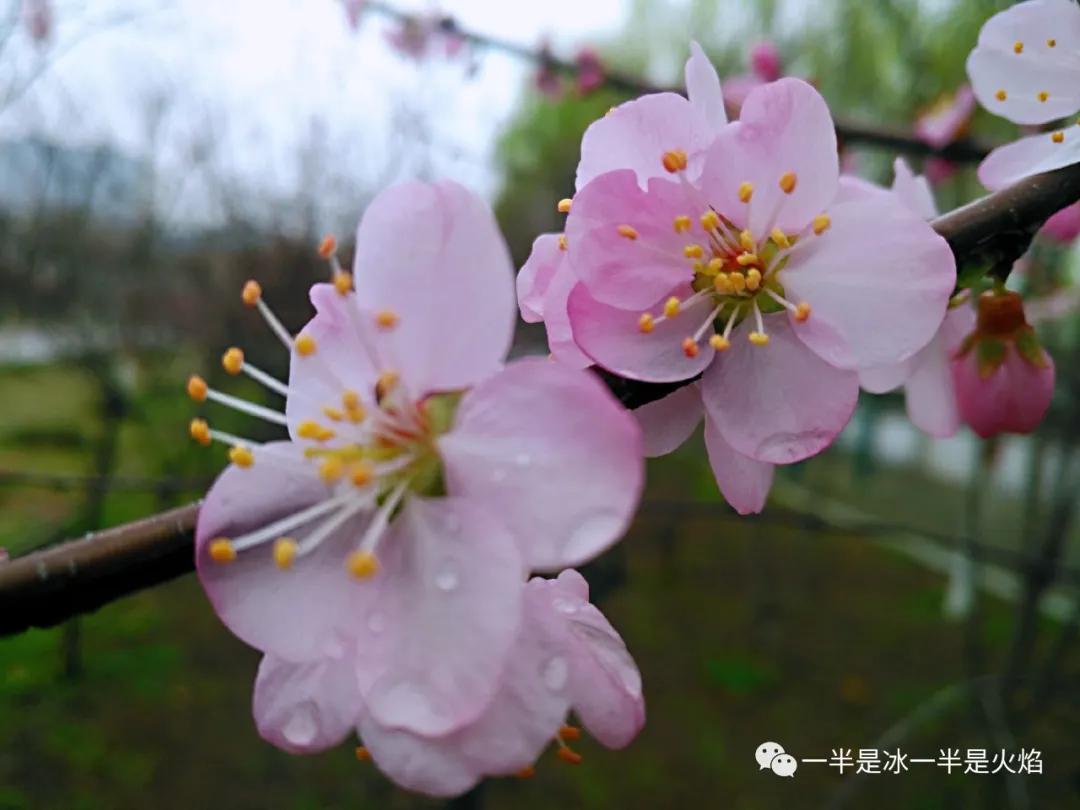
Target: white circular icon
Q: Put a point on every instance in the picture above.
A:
(765, 753)
(784, 765)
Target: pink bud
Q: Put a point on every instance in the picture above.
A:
(1064, 226)
(765, 61)
(590, 72)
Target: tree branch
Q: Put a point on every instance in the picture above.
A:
(45, 587)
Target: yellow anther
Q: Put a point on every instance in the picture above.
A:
(233, 360)
(720, 343)
(1057, 137)
(241, 456)
(568, 756)
(714, 266)
(328, 246)
(822, 222)
(627, 231)
(200, 431)
(746, 259)
(723, 284)
(746, 192)
(1043, 96)
(788, 181)
(361, 474)
(333, 414)
(1001, 95)
(362, 754)
(1018, 47)
(356, 415)
(362, 564)
(710, 220)
(343, 282)
(331, 469)
(386, 382)
(569, 733)
(698, 267)
(682, 223)
(284, 552)
(690, 347)
(325, 434)
(386, 319)
(671, 307)
(746, 239)
(802, 312)
(1051, 43)
(308, 429)
(196, 388)
(564, 205)
(221, 550)
(645, 323)
(674, 161)
(693, 251)
(252, 293)
(753, 279)
(305, 345)
(351, 400)
(780, 238)
(759, 338)
(562, 241)
(738, 281)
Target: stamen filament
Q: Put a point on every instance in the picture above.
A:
(286, 524)
(244, 406)
(354, 503)
(275, 325)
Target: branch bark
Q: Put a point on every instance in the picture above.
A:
(45, 587)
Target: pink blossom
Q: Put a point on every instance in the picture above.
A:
(416, 37)
(1026, 68)
(948, 119)
(734, 251)
(590, 71)
(1004, 379)
(765, 66)
(926, 377)
(1064, 226)
(422, 480)
(547, 79)
(353, 10)
(38, 18)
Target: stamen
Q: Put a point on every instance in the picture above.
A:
(200, 431)
(331, 469)
(723, 284)
(284, 552)
(693, 251)
(645, 323)
(1058, 137)
(568, 756)
(671, 307)
(252, 293)
(1001, 95)
(310, 429)
(305, 345)
(197, 388)
(272, 321)
(759, 338)
(720, 343)
(753, 279)
(362, 474)
(232, 361)
(282, 527)
(244, 406)
(362, 564)
(328, 246)
(738, 281)
(787, 182)
(1051, 43)
(1018, 47)
(333, 523)
(386, 383)
(674, 161)
(690, 347)
(746, 192)
(562, 241)
(710, 220)
(780, 238)
(627, 231)
(564, 205)
(714, 266)
(343, 282)
(362, 754)
(802, 311)
(222, 551)
(569, 733)
(682, 223)
(746, 239)
(1043, 96)
(731, 323)
(747, 259)
(260, 376)
(386, 319)
(822, 223)
(241, 456)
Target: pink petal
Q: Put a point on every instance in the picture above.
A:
(880, 277)
(535, 276)
(306, 708)
(1014, 399)
(784, 127)
(703, 88)
(624, 272)
(555, 455)
(744, 482)
(612, 338)
(635, 136)
(433, 648)
(994, 65)
(1064, 226)
(1034, 154)
(433, 254)
(882, 379)
(340, 363)
(560, 332)
(946, 122)
(670, 421)
(271, 609)
(913, 191)
(778, 403)
(930, 393)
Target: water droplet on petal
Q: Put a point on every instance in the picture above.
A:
(446, 579)
(564, 606)
(555, 673)
(376, 622)
(302, 726)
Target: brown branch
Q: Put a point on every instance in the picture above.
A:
(963, 150)
(46, 587)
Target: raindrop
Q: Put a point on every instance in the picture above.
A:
(555, 673)
(446, 579)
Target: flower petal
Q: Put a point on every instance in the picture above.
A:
(431, 254)
(703, 88)
(271, 609)
(612, 338)
(882, 379)
(306, 708)
(1034, 154)
(632, 272)
(669, 421)
(558, 455)
(882, 287)
(931, 395)
(535, 276)
(635, 136)
(1013, 399)
(778, 403)
(784, 127)
(433, 648)
(913, 191)
(995, 64)
(744, 482)
(560, 333)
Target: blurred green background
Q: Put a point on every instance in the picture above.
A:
(897, 592)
